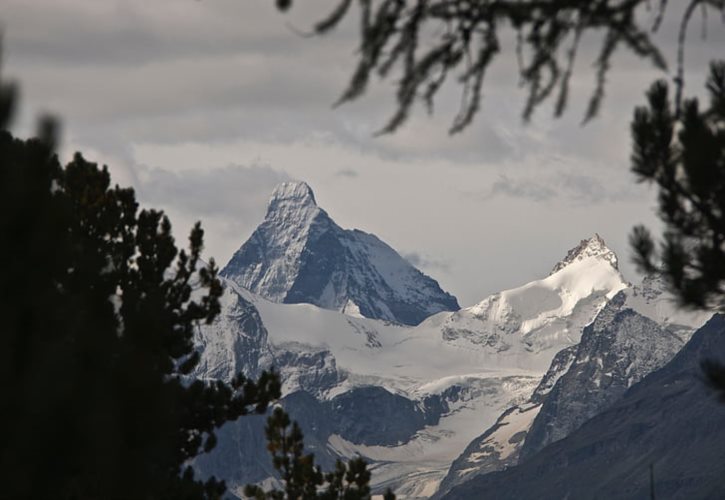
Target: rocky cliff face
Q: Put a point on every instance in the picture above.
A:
(670, 422)
(237, 341)
(616, 351)
(400, 396)
(591, 247)
(410, 399)
(638, 331)
(299, 255)
(500, 446)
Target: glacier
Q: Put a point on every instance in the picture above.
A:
(638, 331)
(453, 374)
(377, 361)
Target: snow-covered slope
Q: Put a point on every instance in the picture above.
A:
(299, 255)
(525, 327)
(516, 330)
(452, 375)
(666, 430)
(617, 350)
(342, 360)
(500, 446)
(638, 331)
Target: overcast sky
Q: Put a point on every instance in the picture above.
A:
(204, 106)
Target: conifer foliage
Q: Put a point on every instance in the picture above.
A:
(425, 44)
(302, 479)
(684, 156)
(97, 316)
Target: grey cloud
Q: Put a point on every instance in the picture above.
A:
(164, 72)
(233, 192)
(132, 76)
(132, 32)
(574, 188)
(422, 261)
(230, 202)
(521, 188)
(347, 172)
(172, 71)
(583, 188)
(178, 88)
(208, 71)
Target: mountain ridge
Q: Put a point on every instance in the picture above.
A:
(322, 305)
(683, 440)
(637, 331)
(588, 247)
(298, 254)
(460, 369)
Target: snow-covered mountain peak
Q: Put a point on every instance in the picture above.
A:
(294, 192)
(299, 255)
(537, 320)
(292, 206)
(591, 247)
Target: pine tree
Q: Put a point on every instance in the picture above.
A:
(684, 156)
(97, 316)
(427, 44)
(302, 479)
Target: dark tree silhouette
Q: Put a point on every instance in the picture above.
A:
(301, 477)
(423, 41)
(97, 316)
(685, 157)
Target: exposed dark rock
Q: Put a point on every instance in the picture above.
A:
(670, 421)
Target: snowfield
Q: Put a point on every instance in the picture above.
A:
(378, 361)
(479, 361)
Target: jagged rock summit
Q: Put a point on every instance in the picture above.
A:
(637, 331)
(592, 247)
(442, 383)
(299, 255)
(533, 322)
